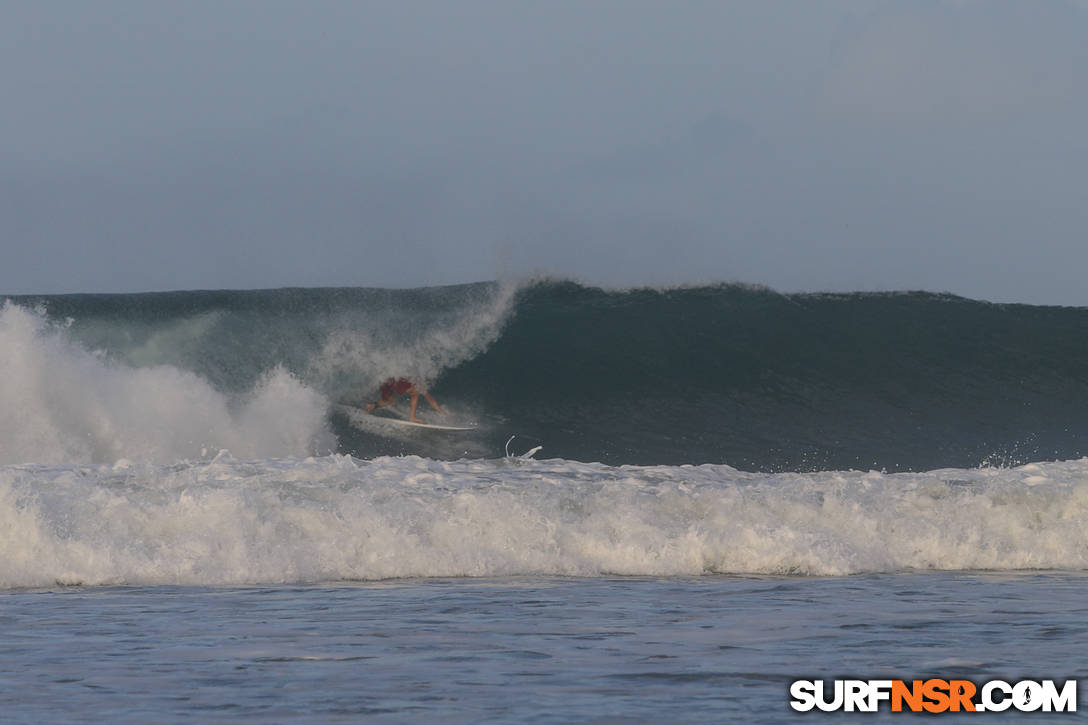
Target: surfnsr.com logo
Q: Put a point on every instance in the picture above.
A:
(933, 695)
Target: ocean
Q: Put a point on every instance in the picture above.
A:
(673, 504)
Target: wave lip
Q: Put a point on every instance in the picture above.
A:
(234, 522)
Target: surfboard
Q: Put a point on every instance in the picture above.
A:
(358, 414)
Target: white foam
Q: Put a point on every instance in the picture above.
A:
(231, 521)
(62, 403)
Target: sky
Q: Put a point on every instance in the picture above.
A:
(810, 145)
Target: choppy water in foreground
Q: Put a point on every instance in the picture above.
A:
(523, 650)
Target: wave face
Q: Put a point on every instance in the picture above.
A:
(226, 522)
(765, 381)
(721, 375)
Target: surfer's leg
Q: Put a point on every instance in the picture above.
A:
(433, 402)
(412, 410)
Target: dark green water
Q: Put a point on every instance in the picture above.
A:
(722, 374)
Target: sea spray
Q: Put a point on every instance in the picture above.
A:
(418, 339)
(66, 404)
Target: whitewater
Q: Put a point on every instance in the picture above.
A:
(282, 521)
(674, 502)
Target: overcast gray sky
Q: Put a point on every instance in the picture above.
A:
(807, 145)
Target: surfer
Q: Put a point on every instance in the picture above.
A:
(390, 393)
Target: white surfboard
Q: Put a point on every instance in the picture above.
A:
(357, 415)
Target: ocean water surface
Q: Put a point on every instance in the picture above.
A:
(672, 504)
(525, 649)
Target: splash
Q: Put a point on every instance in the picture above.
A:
(418, 342)
(64, 403)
